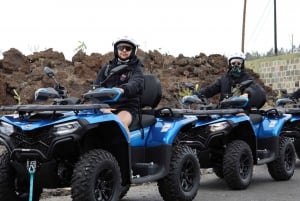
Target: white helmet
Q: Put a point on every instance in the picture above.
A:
(125, 39)
(238, 55)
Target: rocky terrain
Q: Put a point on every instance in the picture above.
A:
(21, 75)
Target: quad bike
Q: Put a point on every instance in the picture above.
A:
(231, 141)
(71, 143)
(290, 105)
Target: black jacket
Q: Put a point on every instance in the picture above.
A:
(295, 94)
(223, 85)
(131, 79)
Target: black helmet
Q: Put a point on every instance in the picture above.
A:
(125, 39)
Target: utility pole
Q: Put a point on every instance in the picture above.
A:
(243, 29)
(275, 29)
(292, 43)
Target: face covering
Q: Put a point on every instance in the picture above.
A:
(120, 61)
(235, 71)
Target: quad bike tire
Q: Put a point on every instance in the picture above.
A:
(218, 172)
(238, 165)
(297, 147)
(11, 188)
(124, 191)
(183, 180)
(96, 177)
(283, 167)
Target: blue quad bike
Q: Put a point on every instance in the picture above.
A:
(290, 105)
(231, 142)
(71, 143)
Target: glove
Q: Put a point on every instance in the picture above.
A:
(187, 100)
(234, 102)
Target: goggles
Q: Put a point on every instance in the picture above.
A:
(235, 63)
(124, 47)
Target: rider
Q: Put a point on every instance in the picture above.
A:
(228, 85)
(295, 94)
(130, 81)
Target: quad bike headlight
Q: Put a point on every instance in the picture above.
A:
(66, 128)
(218, 126)
(6, 128)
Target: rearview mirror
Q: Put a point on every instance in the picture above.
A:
(49, 72)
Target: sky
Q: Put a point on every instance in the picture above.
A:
(189, 27)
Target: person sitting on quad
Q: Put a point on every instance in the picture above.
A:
(130, 80)
(228, 85)
(295, 94)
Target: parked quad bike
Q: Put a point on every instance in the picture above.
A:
(289, 104)
(71, 143)
(231, 142)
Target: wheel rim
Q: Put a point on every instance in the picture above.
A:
(104, 185)
(244, 166)
(289, 159)
(187, 175)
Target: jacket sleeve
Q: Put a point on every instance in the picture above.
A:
(256, 95)
(296, 94)
(210, 90)
(135, 85)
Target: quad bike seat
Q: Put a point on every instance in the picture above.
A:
(255, 118)
(148, 101)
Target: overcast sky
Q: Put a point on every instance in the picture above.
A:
(177, 26)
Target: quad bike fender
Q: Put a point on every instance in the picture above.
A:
(272, 127)
(295, 118)
(165, 130)
(103, 120)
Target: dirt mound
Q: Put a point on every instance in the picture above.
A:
(21, 75)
